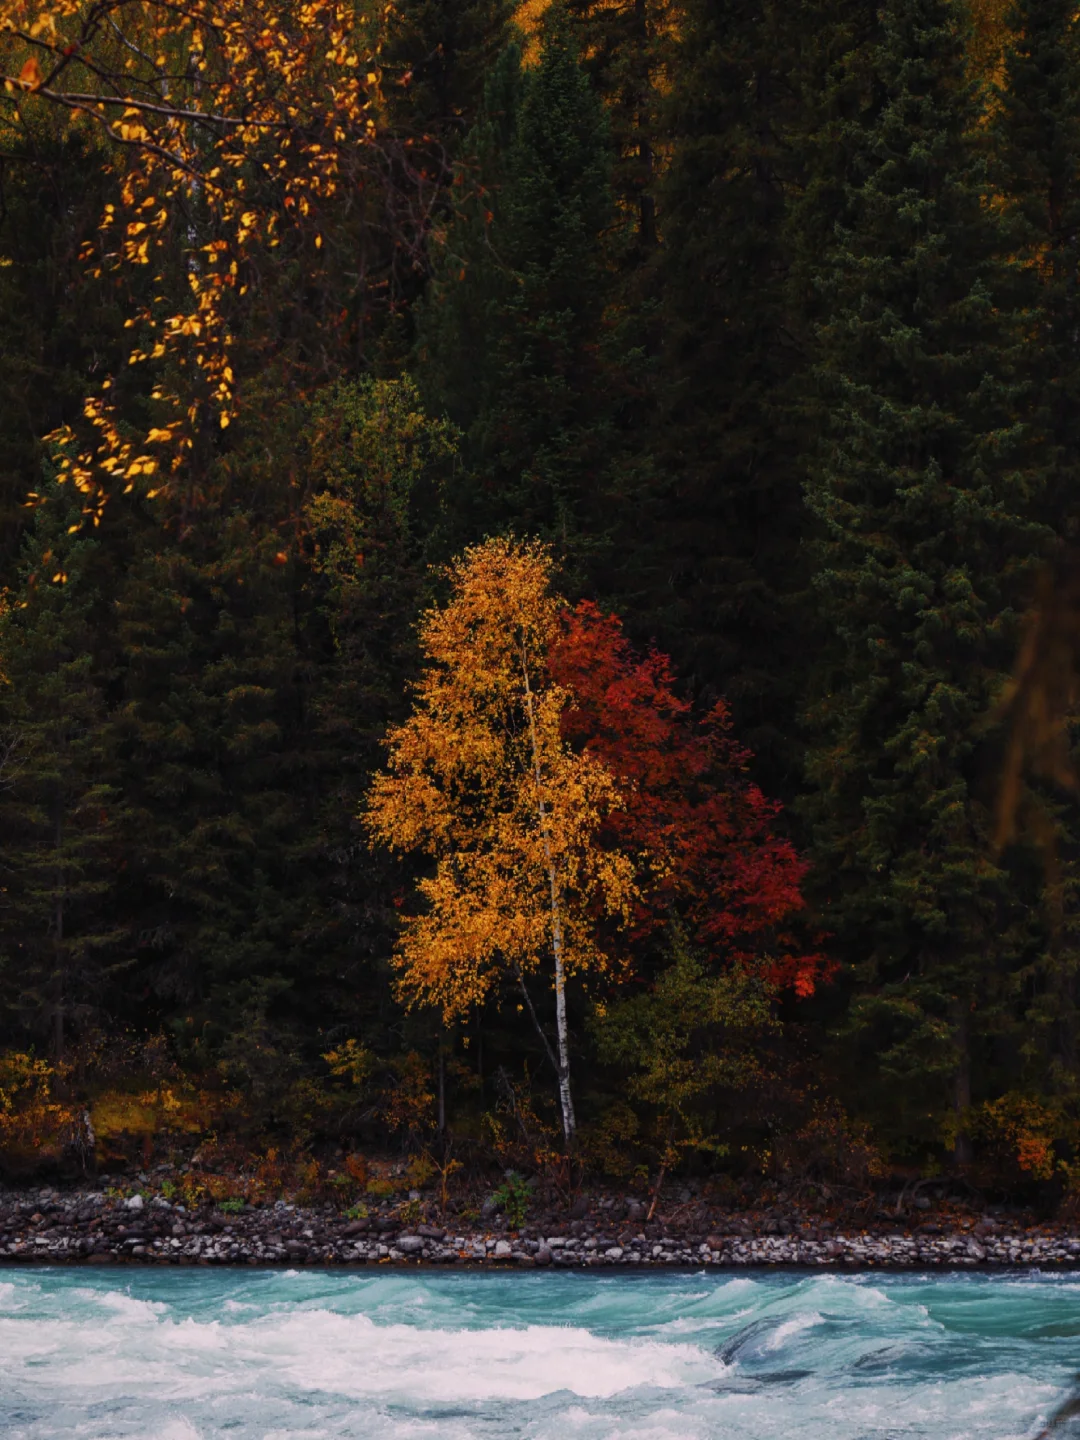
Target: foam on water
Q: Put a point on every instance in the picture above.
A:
(185, 1354)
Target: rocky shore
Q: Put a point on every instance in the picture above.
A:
(95, 1227)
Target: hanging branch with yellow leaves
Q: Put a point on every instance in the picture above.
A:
(231, 127)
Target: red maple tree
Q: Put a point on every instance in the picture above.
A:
(690, 805)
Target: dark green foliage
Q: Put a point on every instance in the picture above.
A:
(691, 1046)
(767, 318)
(510, 330)
(58, 327)
(627, 49)
(719, 559)
(60, 800)
(924, 494)
(439, 54)
(1038, 135)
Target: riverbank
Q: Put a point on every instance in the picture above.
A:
(95, 1227)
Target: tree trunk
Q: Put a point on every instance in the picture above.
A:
(562, 1037)
(962, 1088)
(442, 1089)
(58, 948)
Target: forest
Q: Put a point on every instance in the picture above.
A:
(521, 530)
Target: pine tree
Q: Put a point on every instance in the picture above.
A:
(56, 322)
(60, 801)
(1038, 149)
(923, 497)
(510, 330)
(710, 539)
(439, 54)
(627, 50)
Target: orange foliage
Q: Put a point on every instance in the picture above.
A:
(481, 779)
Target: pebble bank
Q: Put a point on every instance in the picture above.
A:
(93, 1227)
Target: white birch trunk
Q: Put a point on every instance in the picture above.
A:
(566, 1099)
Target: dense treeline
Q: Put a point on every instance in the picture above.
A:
(762, 323)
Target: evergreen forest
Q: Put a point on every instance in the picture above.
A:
(520, 534)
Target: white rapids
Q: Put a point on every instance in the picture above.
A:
(191, 1354)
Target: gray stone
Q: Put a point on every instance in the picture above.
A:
(410, 1244)
(543, 1255)
(135, 1202)
(503, 1250)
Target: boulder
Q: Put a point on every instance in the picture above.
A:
(410, 1244)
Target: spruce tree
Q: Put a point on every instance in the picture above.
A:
(60, 800)
(627, 55)
(57, 323)
(717, 556)
(1038, 150)
(510, 330)
(439, 54)
(922, 491)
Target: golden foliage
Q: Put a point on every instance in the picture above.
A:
(231, 124)
(1019, 1131)
(32, 1118)
(481, 780)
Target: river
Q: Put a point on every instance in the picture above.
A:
(197, 1354)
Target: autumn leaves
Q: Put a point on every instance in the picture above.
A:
(239, 133)
(567, 806)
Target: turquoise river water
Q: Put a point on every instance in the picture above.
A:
(196, 1354)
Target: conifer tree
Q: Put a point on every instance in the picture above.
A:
(712, 540)
(60, 801)
(439, 54)
(923, 496)
(1038, 149)
(509, 331)
(627, 55)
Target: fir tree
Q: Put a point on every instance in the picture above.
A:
(61, 801)
(1038, 148)
(627, 49)
(510, 330)
(440, 53)
(923, 496)
(719, 546)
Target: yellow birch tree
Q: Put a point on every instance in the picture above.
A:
(481, 779)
